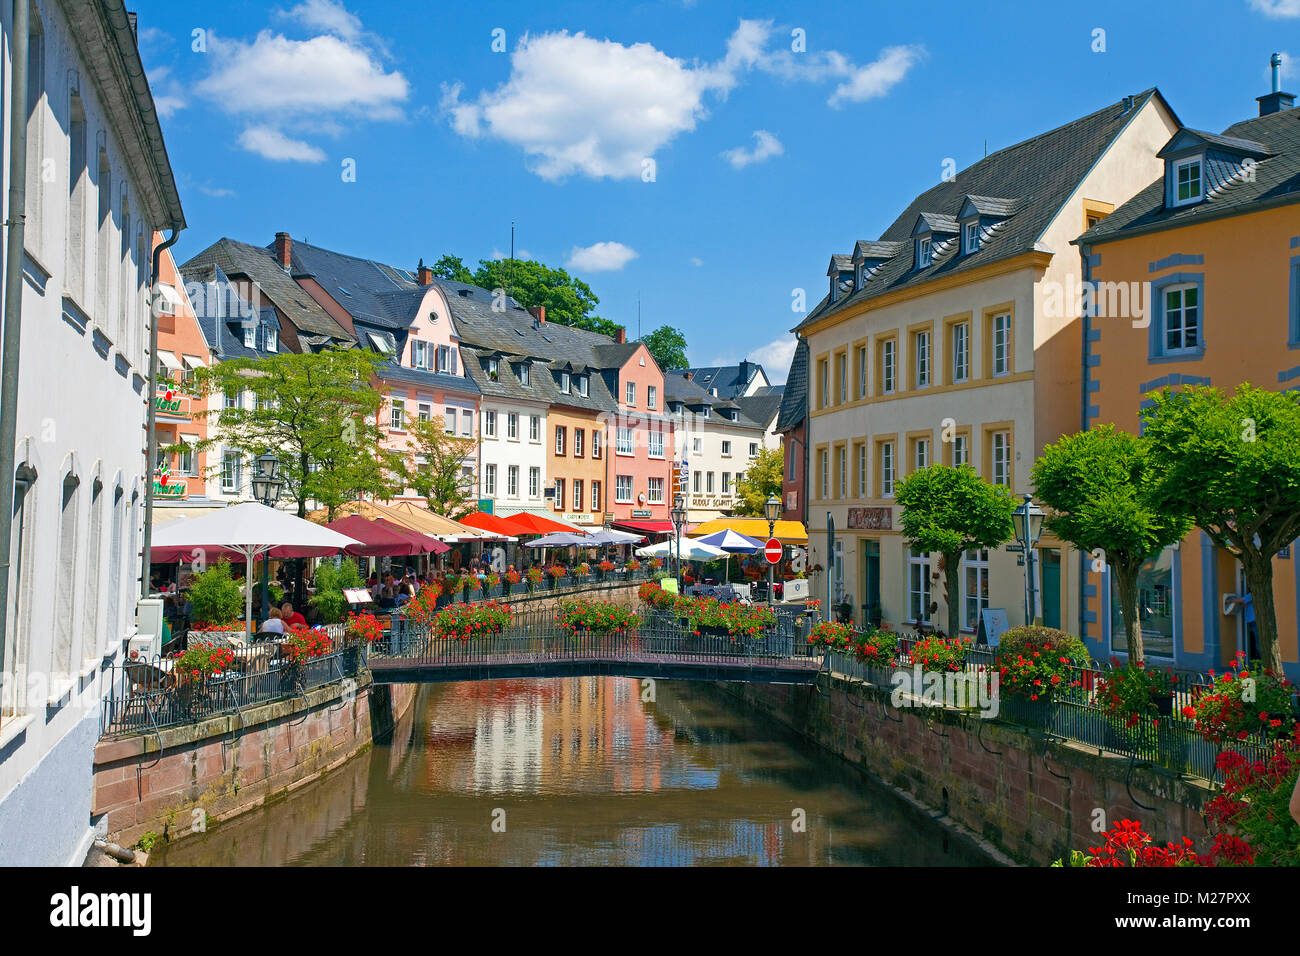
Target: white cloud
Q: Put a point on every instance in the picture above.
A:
(1288, 70)
(575, 104)
(325, 15)
(878, 78)
(765, 146)
(775, 357)
(600, 257)
(270, 143)
(216, 192)
(1277, 8)
(316, 86)
(696, 261)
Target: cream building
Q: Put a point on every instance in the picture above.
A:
(947, 340)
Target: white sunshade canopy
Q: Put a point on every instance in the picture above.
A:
(561, 539)
(610, 536)
(692, 550)
(168, 360)
(251, 529)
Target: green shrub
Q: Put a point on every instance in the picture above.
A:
(215, 597)
(1035, 662)
(1017, 639)
(328, 600)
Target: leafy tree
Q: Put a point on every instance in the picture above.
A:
(451, 268)
(432, 466)
(1098, 486)
(761, 481)
(330, 582)
(668, 346)
(1232, 465)
(215, 597)
(315, 411)
(950, 510)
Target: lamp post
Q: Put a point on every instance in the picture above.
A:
(772, 511)
(266, 489)
(678, 516)
(1028, 523)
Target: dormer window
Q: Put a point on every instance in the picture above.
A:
(564, 382)
(493, 369)
(272, 341)
(582, 385)
(924, 252)
(523, 374)
(1187, 182)
(250, 336)
(971, 237)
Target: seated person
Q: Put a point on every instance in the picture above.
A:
(273, 624)
(290, 616)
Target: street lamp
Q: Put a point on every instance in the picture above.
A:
(266, 489)
(678, 515)
(772, 511)
(1028, 523)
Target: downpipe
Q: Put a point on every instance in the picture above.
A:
(151, 417)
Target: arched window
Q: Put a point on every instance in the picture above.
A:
(90, 599)
(103, 253)
(20, 554)
(77, 186)
(113, 623)
(35, 128)
(65, 584)
(126, 282)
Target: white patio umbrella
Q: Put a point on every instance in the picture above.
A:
(560, 539)
(251, 530)
(610, 536)
(692, 550)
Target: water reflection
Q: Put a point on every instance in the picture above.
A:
(583, 771)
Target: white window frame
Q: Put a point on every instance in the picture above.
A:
(1000, 458)
(630, 394)
(651, 396)
(862, 470)
(623, 489)
(625, 439)
(960, 451)
(924, 252)
(726, 449)
(656, 441)
(888, 469)
(918, 585)
(921, 454)
(977, 601)
(1179, 166)
(561, 440)
(960, 352)
(1182, 311)
(971, 237)
(489, 480)
(534, 482)
(489, 423)
(535, 428)
(595, 443)
(654, 492)
(397, 415)
(564, 382)
(449, 420)
(595, 496)
(921, 341)
(825, 461)
(512, 481)
(1001, 350)
(512, 426)
(889, 366)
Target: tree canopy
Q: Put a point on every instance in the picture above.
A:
(761, 481)
(1232, 465)
(950, 510)
(668, 346)
(1098, 486)
(433, 466)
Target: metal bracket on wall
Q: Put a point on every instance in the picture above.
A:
(931, 728)
(1043, 756)
(979, 736)
(1128, 777)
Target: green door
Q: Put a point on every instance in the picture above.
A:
(871, 581)
(1050, 559)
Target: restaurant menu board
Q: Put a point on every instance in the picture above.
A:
(994, 620)
(357, 595)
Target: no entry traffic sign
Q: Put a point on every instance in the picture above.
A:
(772, 551)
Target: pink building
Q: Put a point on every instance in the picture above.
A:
(641, 438)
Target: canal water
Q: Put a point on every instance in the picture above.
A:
(583, 771)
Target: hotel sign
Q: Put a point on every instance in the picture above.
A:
(871, 519)
(166, 488)
(172, 403)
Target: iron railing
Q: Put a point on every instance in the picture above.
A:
(146, 694)
(1074, 712)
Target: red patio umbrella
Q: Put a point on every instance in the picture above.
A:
(528, 523)
(491, 524)
(376, 539)
(431, 545)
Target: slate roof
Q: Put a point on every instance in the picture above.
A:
(1277, 182)
(726, 378)
(794, 400)
(218, 321)
(258, 265)
(372, 292)
(678, 388)
(1039, 173)
(392, 372)
(763, 407)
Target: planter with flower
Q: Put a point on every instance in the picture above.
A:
(512, 578)
(557, 573)
(877, 649)
(1251, 818)
(1035, 666)
(191, 669)
(656, 564)
(605, 568)
(490, 583)
(361, 631)
(743, 627)
(1136, 699)
(465, 621)
(1127, 844)
(660, 604)
(582, 571)
(833, 636)
(633, 565)
(534, 577)
(596, 617)
(1241, 703)
(299, 645)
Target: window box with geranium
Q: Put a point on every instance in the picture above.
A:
(361, 631)
(599, 617)
(512, 578)
(582, 570)
(877, 649)
(465, 621)
(535, 578)
(557, 573)
(490, 582)
(299, 645)
(191, 670)
(606, 567)
(1243, 702)
(1136, 699)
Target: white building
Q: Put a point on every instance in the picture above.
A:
(512, 427)
(98, 183)
(715, 444)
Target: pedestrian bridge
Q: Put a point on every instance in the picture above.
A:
(666, 652)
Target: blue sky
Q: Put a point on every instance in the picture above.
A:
(766, 158)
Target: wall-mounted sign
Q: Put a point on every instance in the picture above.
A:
(171, 403)
(170, 489)
(871, 519)
(637, 513)
(712, 504)
(577, 517)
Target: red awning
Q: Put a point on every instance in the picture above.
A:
(645, 527)
(376, 539)
(491, 524)
(428, 543)
(527, 523)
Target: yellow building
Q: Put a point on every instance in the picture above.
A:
(1196, 281)
(941, 342)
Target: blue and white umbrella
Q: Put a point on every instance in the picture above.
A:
(733, 541)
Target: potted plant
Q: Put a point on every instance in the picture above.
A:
(512, 578)
(215, 599)
(191, 669)
(606, 567)
(299, 645)
(1135, 698)
(1242, 702)
(556, 573)
(1034, 665)
(535, 578)
(361, 631)
(464, 621)
(582, 570)
(599, 617)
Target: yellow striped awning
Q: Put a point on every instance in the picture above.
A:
(787, 532)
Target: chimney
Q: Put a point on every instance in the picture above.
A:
(1276, 101)
(744, 371)
(283, 250)
(539, 314)
(686, 374)
(620, 336)
(423, 274)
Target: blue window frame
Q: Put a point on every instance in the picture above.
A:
(1177, 329)
(1293, 336)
